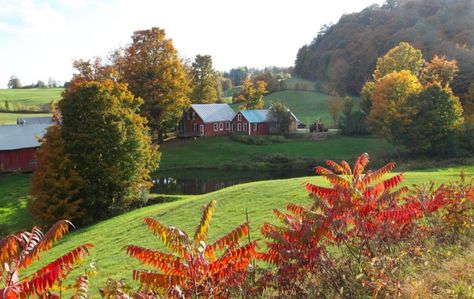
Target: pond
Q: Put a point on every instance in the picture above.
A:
(193, 182)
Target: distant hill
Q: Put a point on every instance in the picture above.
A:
(27, 97)
(343, 56)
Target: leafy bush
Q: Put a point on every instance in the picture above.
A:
(194, 270)
(258, 140)
(348, 242)
(17, 252)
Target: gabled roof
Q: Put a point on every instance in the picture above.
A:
(34, 120)
(21, 136)
(214, 112)
(256, 116)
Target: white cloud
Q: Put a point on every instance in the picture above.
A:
(39, 39)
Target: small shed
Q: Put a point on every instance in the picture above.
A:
(18, 145)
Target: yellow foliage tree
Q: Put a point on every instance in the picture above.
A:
(386, 117)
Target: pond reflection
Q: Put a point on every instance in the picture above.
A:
(192, 182)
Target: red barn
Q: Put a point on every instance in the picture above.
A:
(18, 145)
(206, 120)
(251, 122)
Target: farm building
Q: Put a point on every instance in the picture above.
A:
(258, 122)
(18, 145)
(206, 120)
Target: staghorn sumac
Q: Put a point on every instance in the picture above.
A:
(193, 269)
(18, 251)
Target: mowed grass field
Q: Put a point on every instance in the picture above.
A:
(222, 152)
(25, 98)
(258, 198)
(29, 97)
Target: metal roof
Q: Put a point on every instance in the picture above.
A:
(214, 112)
(21, 136)
(256, 116)
(34, 120)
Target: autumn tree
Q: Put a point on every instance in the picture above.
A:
(153, 71)
(280, 115)
(204, 81)
(56, 184)
(334, 107)
(440, 70)
(403, 57)
(252, 94)
(388, 96)
(437, 115)
(109, 145)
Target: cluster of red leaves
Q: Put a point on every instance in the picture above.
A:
(361, 213)
(193, 270)
(17, 252)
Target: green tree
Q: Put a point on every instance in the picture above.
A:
(402, 57)
(334, 108)
(56, 184)
(109, 145)
(436, 114)
(203, 80)
(153, 71)
(280, 116)
(252, 94)
(14, 82)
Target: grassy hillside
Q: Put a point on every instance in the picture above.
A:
(222, 152)
(259, 198)
(13, 200)
(28, 97)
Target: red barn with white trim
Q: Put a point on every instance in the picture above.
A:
(206, 120)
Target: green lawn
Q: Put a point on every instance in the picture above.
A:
(30, 97)
(222, 152)
(13, 199)
(259, 198)
(10, 118)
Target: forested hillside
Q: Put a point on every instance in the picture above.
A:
(343, 56)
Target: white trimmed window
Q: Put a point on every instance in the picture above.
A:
(255, 127)
(195, 127)
(239, 127)
(194, 115)
(239, 117)
(245, 127)
(216, 127)
(227, 126)
(221, 126)
(188, 115)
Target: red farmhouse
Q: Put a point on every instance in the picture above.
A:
(251, 122)
(206, 120)
(18, 145)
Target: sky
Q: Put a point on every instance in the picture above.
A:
(39, 39)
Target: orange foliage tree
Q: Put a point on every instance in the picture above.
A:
(193, 269)
(19, 251)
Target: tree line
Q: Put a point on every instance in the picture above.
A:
(343, 56)
(15, 83)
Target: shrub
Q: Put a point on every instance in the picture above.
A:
(258, 140)
(346, 242)
(17, 252)
(194, 270)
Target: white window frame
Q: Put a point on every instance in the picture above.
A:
(194, 115)
(195, 128)
(216, 127)
(255, 125)
(239, 117)
(188, 115)
(221, 126)
(244, 127)
(239, 127)
(201, 130)
(227, 126)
